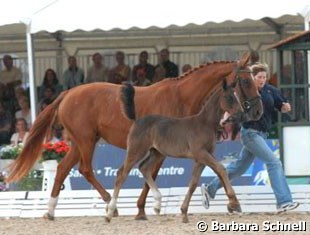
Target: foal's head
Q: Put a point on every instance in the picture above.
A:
(230, 103)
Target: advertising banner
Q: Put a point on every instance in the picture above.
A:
(173, 173)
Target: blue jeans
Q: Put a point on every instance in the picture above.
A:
(254, 144)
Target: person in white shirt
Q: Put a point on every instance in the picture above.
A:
(21, 134)
(24, 111)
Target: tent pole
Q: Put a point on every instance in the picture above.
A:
(32, 83)
(307, 21)
(306, 14)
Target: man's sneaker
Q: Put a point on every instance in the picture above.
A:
(288, 207)
(205, 196)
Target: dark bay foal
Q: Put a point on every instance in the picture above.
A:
(155, 136)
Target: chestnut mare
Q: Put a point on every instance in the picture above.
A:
(91, 111)
(153, 137)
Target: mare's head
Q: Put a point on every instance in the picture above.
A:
(246, 91)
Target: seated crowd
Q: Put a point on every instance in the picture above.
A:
(15, 113)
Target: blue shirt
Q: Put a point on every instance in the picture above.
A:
(272, 99)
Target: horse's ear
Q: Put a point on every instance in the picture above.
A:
(224, 85)
(244, 60)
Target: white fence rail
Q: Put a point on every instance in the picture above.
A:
(89, 203)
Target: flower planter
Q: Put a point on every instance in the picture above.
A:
(50, 165)
(4, 163)
(37, 166)
(50, 168)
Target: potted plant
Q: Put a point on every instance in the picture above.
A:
(54, 151)
(51, 155)
(8, 154)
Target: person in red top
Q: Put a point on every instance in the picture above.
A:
(143, 64)
(121, 72)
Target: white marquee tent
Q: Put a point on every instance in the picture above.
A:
(71, 15)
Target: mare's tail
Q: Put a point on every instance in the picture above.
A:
(128, 101)
(33, 146)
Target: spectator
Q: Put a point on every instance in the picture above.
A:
(171, 68)
(97, 72)
(73, 75)
(121, 72)
(143, 64)
(50, 80)
(48, 97)
(141, 78)
(58, 134)
(21, 133)
(186, 68)
(10, 76)
(18, 93)
(45, 102)
(5, 125)
(24, 111)
(49, 93)
(160, 73)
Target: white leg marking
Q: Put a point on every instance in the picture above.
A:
(52, 203)
(111, 207)
(157, 198)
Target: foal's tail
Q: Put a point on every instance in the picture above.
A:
(128, 101)
(33, 146)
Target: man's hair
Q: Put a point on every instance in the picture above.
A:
(7, 57)
(144, 52)
(165, 50)
(96, 54)
(71, 57)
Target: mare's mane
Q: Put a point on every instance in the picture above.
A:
(182, 77)
(200, 67)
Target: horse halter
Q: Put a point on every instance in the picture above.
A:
(247, 104)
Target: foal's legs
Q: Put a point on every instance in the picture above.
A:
(206, 158)
(196, 173)
(63, 169)
(142, 199)
(133, 156)
(145, 167)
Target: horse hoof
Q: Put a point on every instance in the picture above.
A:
(157, 211)
(107, 219)
(140, 217)
(48, 216)
(234, 210)
(185, 220)
(115, 213)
